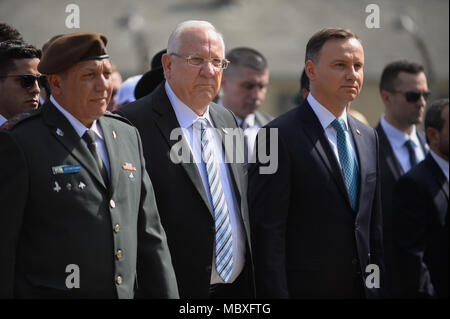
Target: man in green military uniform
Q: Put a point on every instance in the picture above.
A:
(78, 212)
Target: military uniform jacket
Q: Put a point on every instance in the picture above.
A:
(58, 216)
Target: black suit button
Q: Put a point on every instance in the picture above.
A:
(355, 261)
(208, 269)
(356, 226)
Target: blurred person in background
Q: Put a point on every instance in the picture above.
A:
(420, 220)
(244, 86)
(116, 82)
(20, 80)
(404, 91)
(8, 32)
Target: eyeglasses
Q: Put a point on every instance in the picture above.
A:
(27, 80)
(199, 61)
(413, 96)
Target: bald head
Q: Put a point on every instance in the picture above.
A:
(174, 42)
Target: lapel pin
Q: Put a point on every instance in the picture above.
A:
(82, 185)
(57, 188)
(128, 167)
(114, 134)
(69, 186)
(358, 132)
(59, 132)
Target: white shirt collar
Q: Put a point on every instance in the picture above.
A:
(185, 116)
(2, 119)
(397, 137)
(323, 114)
(77, 125)
(442, 163)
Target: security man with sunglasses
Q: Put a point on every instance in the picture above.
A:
(20, 79)
(78, 211)
(404, 91)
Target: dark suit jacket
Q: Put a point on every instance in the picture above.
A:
(390, 170)
(307, 240)
(181, 198)
(421, 234)
(50, 221)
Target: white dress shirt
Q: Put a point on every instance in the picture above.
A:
(397, 140)
(442, 163)
(80, 129)
(2, 120)
(186, 118)
(326, 118)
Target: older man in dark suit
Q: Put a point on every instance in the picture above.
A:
(201, 192)
(78, 212)
(421, 222)
(316, 221)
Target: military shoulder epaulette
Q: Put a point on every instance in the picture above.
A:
(117, 117)
(20, 118)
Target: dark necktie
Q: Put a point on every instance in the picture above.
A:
(412, 154)
(89, 138)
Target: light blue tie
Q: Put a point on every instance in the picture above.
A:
(347, 161)
(224, 243)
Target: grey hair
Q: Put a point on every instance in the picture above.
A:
(173, 43)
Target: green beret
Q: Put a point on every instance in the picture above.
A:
(63, 51)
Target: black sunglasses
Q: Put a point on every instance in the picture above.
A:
(27, 80)
(413, 96)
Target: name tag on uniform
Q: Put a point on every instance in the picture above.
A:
(64, 169)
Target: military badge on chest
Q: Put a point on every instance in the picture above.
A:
(129, 169)
(69, 182)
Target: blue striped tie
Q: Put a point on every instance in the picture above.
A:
(347, 161)
(224, 244)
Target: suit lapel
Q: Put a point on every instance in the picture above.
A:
(318, 137)
(363, 154)
(423, 141)
(389, 155)
(445, 188)
(438, 175)
(63, 131)
(167, 122)
(261, 118)
(111, 148)
(230, 153)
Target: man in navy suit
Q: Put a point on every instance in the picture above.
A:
(403, 90)
(421, 214)
(316, 221)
